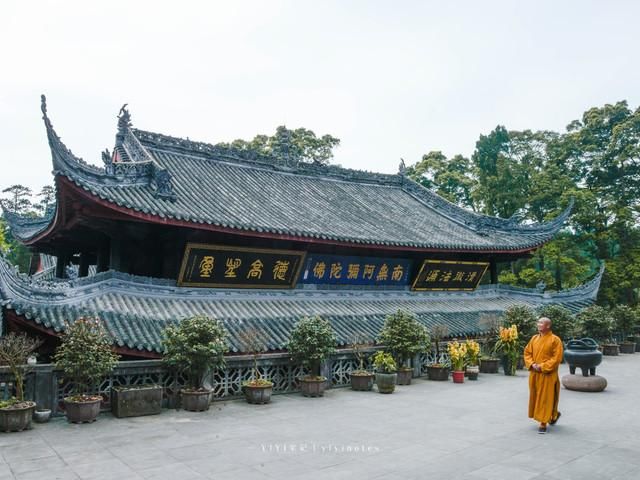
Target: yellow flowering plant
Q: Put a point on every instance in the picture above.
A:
(473, 352)
(508, 345)
(457, 354)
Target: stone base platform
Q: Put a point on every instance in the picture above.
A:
(579, 383)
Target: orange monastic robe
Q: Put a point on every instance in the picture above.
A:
(544, 386)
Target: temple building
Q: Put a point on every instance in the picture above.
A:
(170, 228)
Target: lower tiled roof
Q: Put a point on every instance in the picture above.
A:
(137, 309)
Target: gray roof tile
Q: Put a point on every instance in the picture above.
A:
(136, 309)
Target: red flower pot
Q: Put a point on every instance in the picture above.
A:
(458, 376)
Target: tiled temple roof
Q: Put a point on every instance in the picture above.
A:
(224, 187)
(136, 309)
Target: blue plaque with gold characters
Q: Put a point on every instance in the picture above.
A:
(347, 270)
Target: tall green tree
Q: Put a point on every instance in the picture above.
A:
(17, 199)
(449, 178)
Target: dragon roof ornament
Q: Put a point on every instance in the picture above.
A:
(139, 169)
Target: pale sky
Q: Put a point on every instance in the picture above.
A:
(390, 79)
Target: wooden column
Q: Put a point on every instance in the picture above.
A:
(61, 263)
(493, 268)
(115, 254)
(83, 268)
(102, 263)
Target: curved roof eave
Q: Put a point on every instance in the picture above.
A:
(90, 179)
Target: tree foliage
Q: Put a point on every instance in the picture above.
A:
(15, 349)
(85, 354)
(299, 145)
(404, 336)
(311, 341)
(532, 175)
(195, 346)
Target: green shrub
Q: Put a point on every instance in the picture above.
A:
(404, 336)
(595, 322)
(85, 355)
(384, 362)
(311, 341)
(195, 346)
(625, 320)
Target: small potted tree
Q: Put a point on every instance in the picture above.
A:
(472, 361)
(361, 379)
(311, 342)
(386, 369)
(404, 336)
(257, 390)
(625, 319)
(85, 357)
(596, 322)
(16, 413)
(438, 370)
(192, 348)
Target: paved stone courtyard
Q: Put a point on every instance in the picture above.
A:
(478, 430)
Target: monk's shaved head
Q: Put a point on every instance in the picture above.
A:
(544, 324)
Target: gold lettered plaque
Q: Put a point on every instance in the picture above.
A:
(238, 267)
(449, 275)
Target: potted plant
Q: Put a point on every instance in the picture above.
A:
(509, 347)
(438, 370)
(361, 379)
(404, 336)
(458, 355)
(525, 321)
(257, 390)
(625, 319)
(473, 358)
(16, 413)
(596, 322)
(192, 348)
(386, 369)
(85, 357)
(311, 342)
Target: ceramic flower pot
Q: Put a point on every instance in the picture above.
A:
(195, 401)
(17, 418)
(438, 373)
(404, 376)
(362, 382)
(458, 376)
(386, 382)
(313, 386)
(489, 365)
(85, 411)
(258, 394)
(627, 347)
(472, 372)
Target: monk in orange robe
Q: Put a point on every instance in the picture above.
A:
(542, 356)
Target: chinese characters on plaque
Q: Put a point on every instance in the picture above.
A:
(449, 275)
(342, 270)
(238, 267)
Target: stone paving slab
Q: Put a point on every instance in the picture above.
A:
(474, 431)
